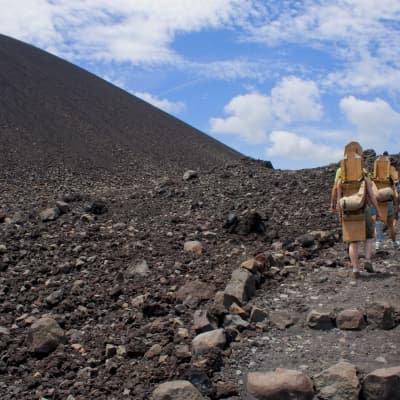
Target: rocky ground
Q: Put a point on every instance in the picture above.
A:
(103, 257)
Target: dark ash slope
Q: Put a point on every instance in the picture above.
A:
(54, 113)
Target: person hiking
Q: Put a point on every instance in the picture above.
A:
(390, 221)
(363, 214)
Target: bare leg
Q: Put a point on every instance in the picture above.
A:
(353, 253)
(369, 245)
(392, 231)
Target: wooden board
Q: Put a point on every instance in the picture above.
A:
(354, 228)
(382, 172)
(351, 167)
(353, 147)
(353, 225)
(394, 174)
(381, 169)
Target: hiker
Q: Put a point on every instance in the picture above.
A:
(357, 225)
(386, 181)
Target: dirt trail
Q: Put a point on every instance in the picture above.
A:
(311, 350)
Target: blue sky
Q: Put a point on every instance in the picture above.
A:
(281, 80)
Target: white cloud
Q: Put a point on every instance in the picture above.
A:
(295, 99)
(163, 104)
(139, 31)
(27, 21)
(376, 122)
(253, 115)
(250, 116)
(362, 33)
(365, 76)
(295, 147)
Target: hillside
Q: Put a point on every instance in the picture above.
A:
(53, 113)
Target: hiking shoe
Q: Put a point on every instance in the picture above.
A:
(395, 244)
(356, 274)
(369, 267)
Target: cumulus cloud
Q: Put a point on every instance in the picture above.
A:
(295, 147)
(249, 117)
(295, 99)
(376, 123)
(163, 104)
(252, 116)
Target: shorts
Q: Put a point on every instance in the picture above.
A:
(369, 223)
(390, 209)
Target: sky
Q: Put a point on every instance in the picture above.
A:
(287, 81)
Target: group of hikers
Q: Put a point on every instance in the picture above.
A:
(366, 203)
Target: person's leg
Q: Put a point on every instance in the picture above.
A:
(368, 265)
(378, 227)
(353, 253)
(391, 231)
(390, 223)
(369, 242)
(379, 234)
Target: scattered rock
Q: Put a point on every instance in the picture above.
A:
(282, 384)
(44, 336)
(194, 247)
(189, 174)
(320, 320)
(381, 315)
(208, 340)
(339, 382)
(49, 214)
(176, 390)
(139, 270)
(350, 320)
(240, 288)
(382, 384)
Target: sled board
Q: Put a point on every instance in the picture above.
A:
(382, 170)
(383, 208)
(382, 180)
(394, 174)
(353, 147)
(354, 227)
(353, 224)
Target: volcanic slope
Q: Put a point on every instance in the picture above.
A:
(54, 113)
